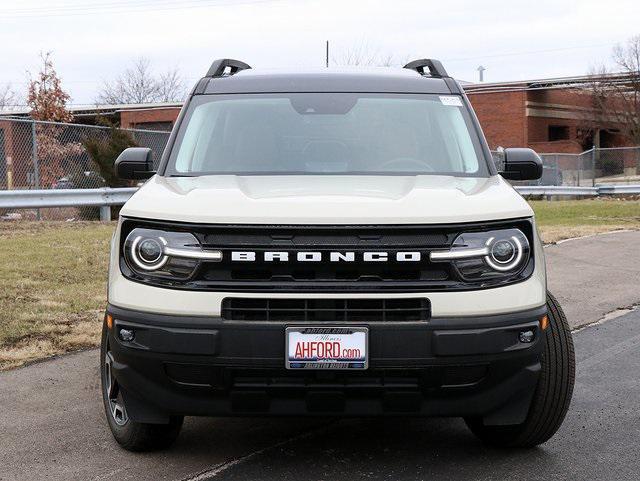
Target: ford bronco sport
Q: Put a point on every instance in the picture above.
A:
(331, 243)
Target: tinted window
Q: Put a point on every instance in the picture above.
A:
(326, 133)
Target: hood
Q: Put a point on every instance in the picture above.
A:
(326, 199)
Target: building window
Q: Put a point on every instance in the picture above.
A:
(161, 126)
(558, 132)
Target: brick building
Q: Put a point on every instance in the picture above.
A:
(149, 117)
(549, 116)
(159, 116)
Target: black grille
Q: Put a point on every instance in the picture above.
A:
(326, 310)
(275, 380)
(293, 275)
(325, 275)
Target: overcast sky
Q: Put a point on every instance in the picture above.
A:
(92, 41)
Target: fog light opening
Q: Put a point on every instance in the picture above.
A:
(126, 335)
(526, 337)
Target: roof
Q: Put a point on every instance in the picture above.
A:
(378, 80)
(543, 83)
(89, 109)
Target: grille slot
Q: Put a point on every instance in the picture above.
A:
(326, 310)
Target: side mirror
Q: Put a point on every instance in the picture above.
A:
(135, 163)
(521, 164)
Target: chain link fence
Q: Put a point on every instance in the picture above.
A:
(620, 165)
(51, 155)
(617, 165)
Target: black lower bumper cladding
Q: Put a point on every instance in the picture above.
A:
(208, 366)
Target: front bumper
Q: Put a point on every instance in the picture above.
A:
(447, 366)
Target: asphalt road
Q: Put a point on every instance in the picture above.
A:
(52, 425)
(598, 441)
(592, 277)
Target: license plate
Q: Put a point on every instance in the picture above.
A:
(327, 347)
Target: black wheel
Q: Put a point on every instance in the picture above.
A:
(129, 434)
(553, 392)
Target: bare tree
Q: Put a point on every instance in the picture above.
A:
(171, 87)
(7, 96)
(363, 55)
(138, 84)
(616, 96)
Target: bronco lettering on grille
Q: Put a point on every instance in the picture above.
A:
(316, 256)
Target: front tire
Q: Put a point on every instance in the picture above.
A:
(553, 392)
(129, 434)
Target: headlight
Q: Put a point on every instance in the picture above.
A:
(487, 255)
(158, 253)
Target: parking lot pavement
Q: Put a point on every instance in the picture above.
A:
(598, 441)
(595, 275)
(52, 425)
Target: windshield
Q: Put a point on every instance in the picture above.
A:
(326, 133)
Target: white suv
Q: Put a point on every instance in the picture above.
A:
(331, 243)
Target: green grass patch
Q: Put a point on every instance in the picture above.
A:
(593, 212)
(52, 287)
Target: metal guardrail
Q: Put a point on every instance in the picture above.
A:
(618, 189)
(35, 199)
(565, 190)
(106, 197)
(548, 190)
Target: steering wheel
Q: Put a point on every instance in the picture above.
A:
(408, 164)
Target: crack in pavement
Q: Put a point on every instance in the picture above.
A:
(222, 467)
(609, 316)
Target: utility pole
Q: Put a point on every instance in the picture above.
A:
(481, 70)
(327, 55)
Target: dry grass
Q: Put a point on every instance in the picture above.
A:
(53, 274)
(559, 220)
(553, 234)
(52, 288)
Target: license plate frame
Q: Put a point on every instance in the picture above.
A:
(334, 334)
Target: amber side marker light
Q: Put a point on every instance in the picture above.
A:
(109, 322)
(544, 322)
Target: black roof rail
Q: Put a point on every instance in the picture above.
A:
(435, 67)
(220, 66)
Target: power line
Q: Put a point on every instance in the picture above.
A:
(81, 81)
(515, 54)
(75, 6)
(128, 7)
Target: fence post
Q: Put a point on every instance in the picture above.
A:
(36, 165)
(593, 166)
(105, 213)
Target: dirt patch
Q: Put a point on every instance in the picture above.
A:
(49, 342)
